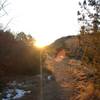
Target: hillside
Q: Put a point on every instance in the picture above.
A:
(74, 62)
(69, 43)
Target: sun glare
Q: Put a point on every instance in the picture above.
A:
(40, 44)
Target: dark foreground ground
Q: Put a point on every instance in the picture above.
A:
(69, 81)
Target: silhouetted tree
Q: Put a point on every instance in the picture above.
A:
(89, 15)
(21, 36)
(18, 55)
(3, 4)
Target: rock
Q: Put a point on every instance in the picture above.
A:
(50, 77)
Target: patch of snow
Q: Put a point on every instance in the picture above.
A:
(5, 99)
(9, 95)
(19, 93)
(12, 91)
(49, 77)
(28, 92)
(12, 94)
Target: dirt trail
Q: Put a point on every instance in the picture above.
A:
(73, 79)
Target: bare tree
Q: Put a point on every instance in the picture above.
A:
(89, 15)
(3, 5)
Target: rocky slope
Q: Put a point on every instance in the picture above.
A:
(74, 81)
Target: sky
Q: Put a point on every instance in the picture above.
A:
(45, 20)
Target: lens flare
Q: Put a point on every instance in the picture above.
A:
(40, 44)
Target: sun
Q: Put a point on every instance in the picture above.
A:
(40, 44)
